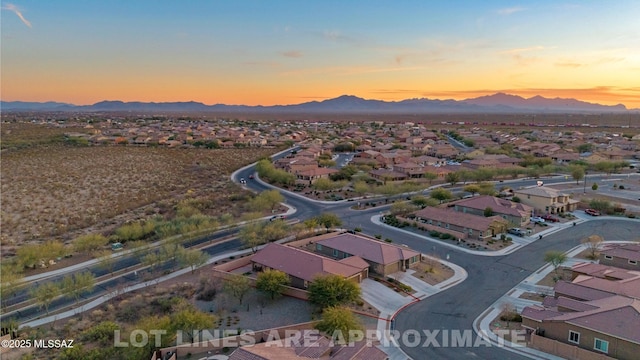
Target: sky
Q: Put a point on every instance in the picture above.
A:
(289, 52)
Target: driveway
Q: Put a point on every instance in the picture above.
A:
(383, 298)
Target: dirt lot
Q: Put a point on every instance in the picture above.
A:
(50, 191)
(432, 272)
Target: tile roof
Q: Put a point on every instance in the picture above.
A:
(368, 249)
(579, 291)
(302, 264)
(603, 271)
(625, 251)
(498, 205)
(542, 191)
(322, 348)
(464, 220)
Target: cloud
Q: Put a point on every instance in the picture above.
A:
(511, 10)
(292, 54)
(17, 11)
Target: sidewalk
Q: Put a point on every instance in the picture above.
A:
(390, 303)
(482, 324)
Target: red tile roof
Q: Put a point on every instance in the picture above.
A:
(499, 206)
(625, 251)
(302, 264)
(469, 221)
(368, 249)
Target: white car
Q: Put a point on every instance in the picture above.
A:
(537, 219)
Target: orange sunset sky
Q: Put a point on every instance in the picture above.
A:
(288, 52)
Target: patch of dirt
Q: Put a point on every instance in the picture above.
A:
(432, 272)
(532, 296)
(550, 279)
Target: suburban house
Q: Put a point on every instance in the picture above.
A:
(546, 200)
(309, 176)
(303, 266)
(309, 345)
(626, 256)
(600, 314)
(382, 258)
(461, 225)
(516, 213)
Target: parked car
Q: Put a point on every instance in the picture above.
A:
(251, 177)
(243, 181)
(516, 231)
(537, 219)
(277, 217)
(549, 217)
(592, 212)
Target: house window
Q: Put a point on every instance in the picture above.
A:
(470, 231)
(574, 337)
(608, 257)
(528, 196)
(601, 345)
(480, 233)
(335, 252)
(447, 226)
(430, 221)
(318, 247)
(633, 262)
(306, 284)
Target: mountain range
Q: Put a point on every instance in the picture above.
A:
(496, 103)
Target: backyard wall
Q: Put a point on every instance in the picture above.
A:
(564, 350)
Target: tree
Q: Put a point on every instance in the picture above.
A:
(154, 325)
(441, 194)
(337, 322)
(45, 293)
(486, 188)
(237, 286)
(74, 285)
(332, 290)
(10, 279)
(592, 243)
(472, 188)
(266, 200)
(488, 211)
(577, 172)
(193, 258)
(402, 208)
(106, 260)
(361, 188)
(272, 282)
(328, 220)
(249, 235)
(594, 187)
(555, 258)
(189, 320)
(452, 178)
(89, 243)
(430, 176)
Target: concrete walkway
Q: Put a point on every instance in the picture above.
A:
(389, 302)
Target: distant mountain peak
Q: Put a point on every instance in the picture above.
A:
(495, 103)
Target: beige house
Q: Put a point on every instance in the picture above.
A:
(625, 256)
(598, 312)
(461, 225)
(546, 200)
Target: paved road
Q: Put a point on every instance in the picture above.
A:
(489, 277)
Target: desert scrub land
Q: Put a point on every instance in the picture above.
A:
(50, 191)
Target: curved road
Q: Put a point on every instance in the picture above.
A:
(489, 277)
